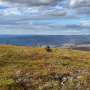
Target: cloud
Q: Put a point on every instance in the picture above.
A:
(44, 16)
(49, 7)
(34, 2)
(79, 3)
(80, 6)
(18, 25)
(83, 10)
(39, 8)
(42, 30)
(85, 23)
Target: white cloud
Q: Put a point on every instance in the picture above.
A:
(85, 23)
(11, 11)
(79, 3)
(82, 7)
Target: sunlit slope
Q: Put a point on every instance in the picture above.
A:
(40, 62)
(39, 59)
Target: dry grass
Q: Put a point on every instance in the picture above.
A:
(39, 62)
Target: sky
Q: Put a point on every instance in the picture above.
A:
(45, 17)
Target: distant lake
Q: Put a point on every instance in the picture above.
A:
(37, 40)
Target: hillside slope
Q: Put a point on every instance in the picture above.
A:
(27, 68)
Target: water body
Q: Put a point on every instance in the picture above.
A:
(39, 40)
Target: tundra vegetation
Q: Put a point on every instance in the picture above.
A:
(28, 68)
